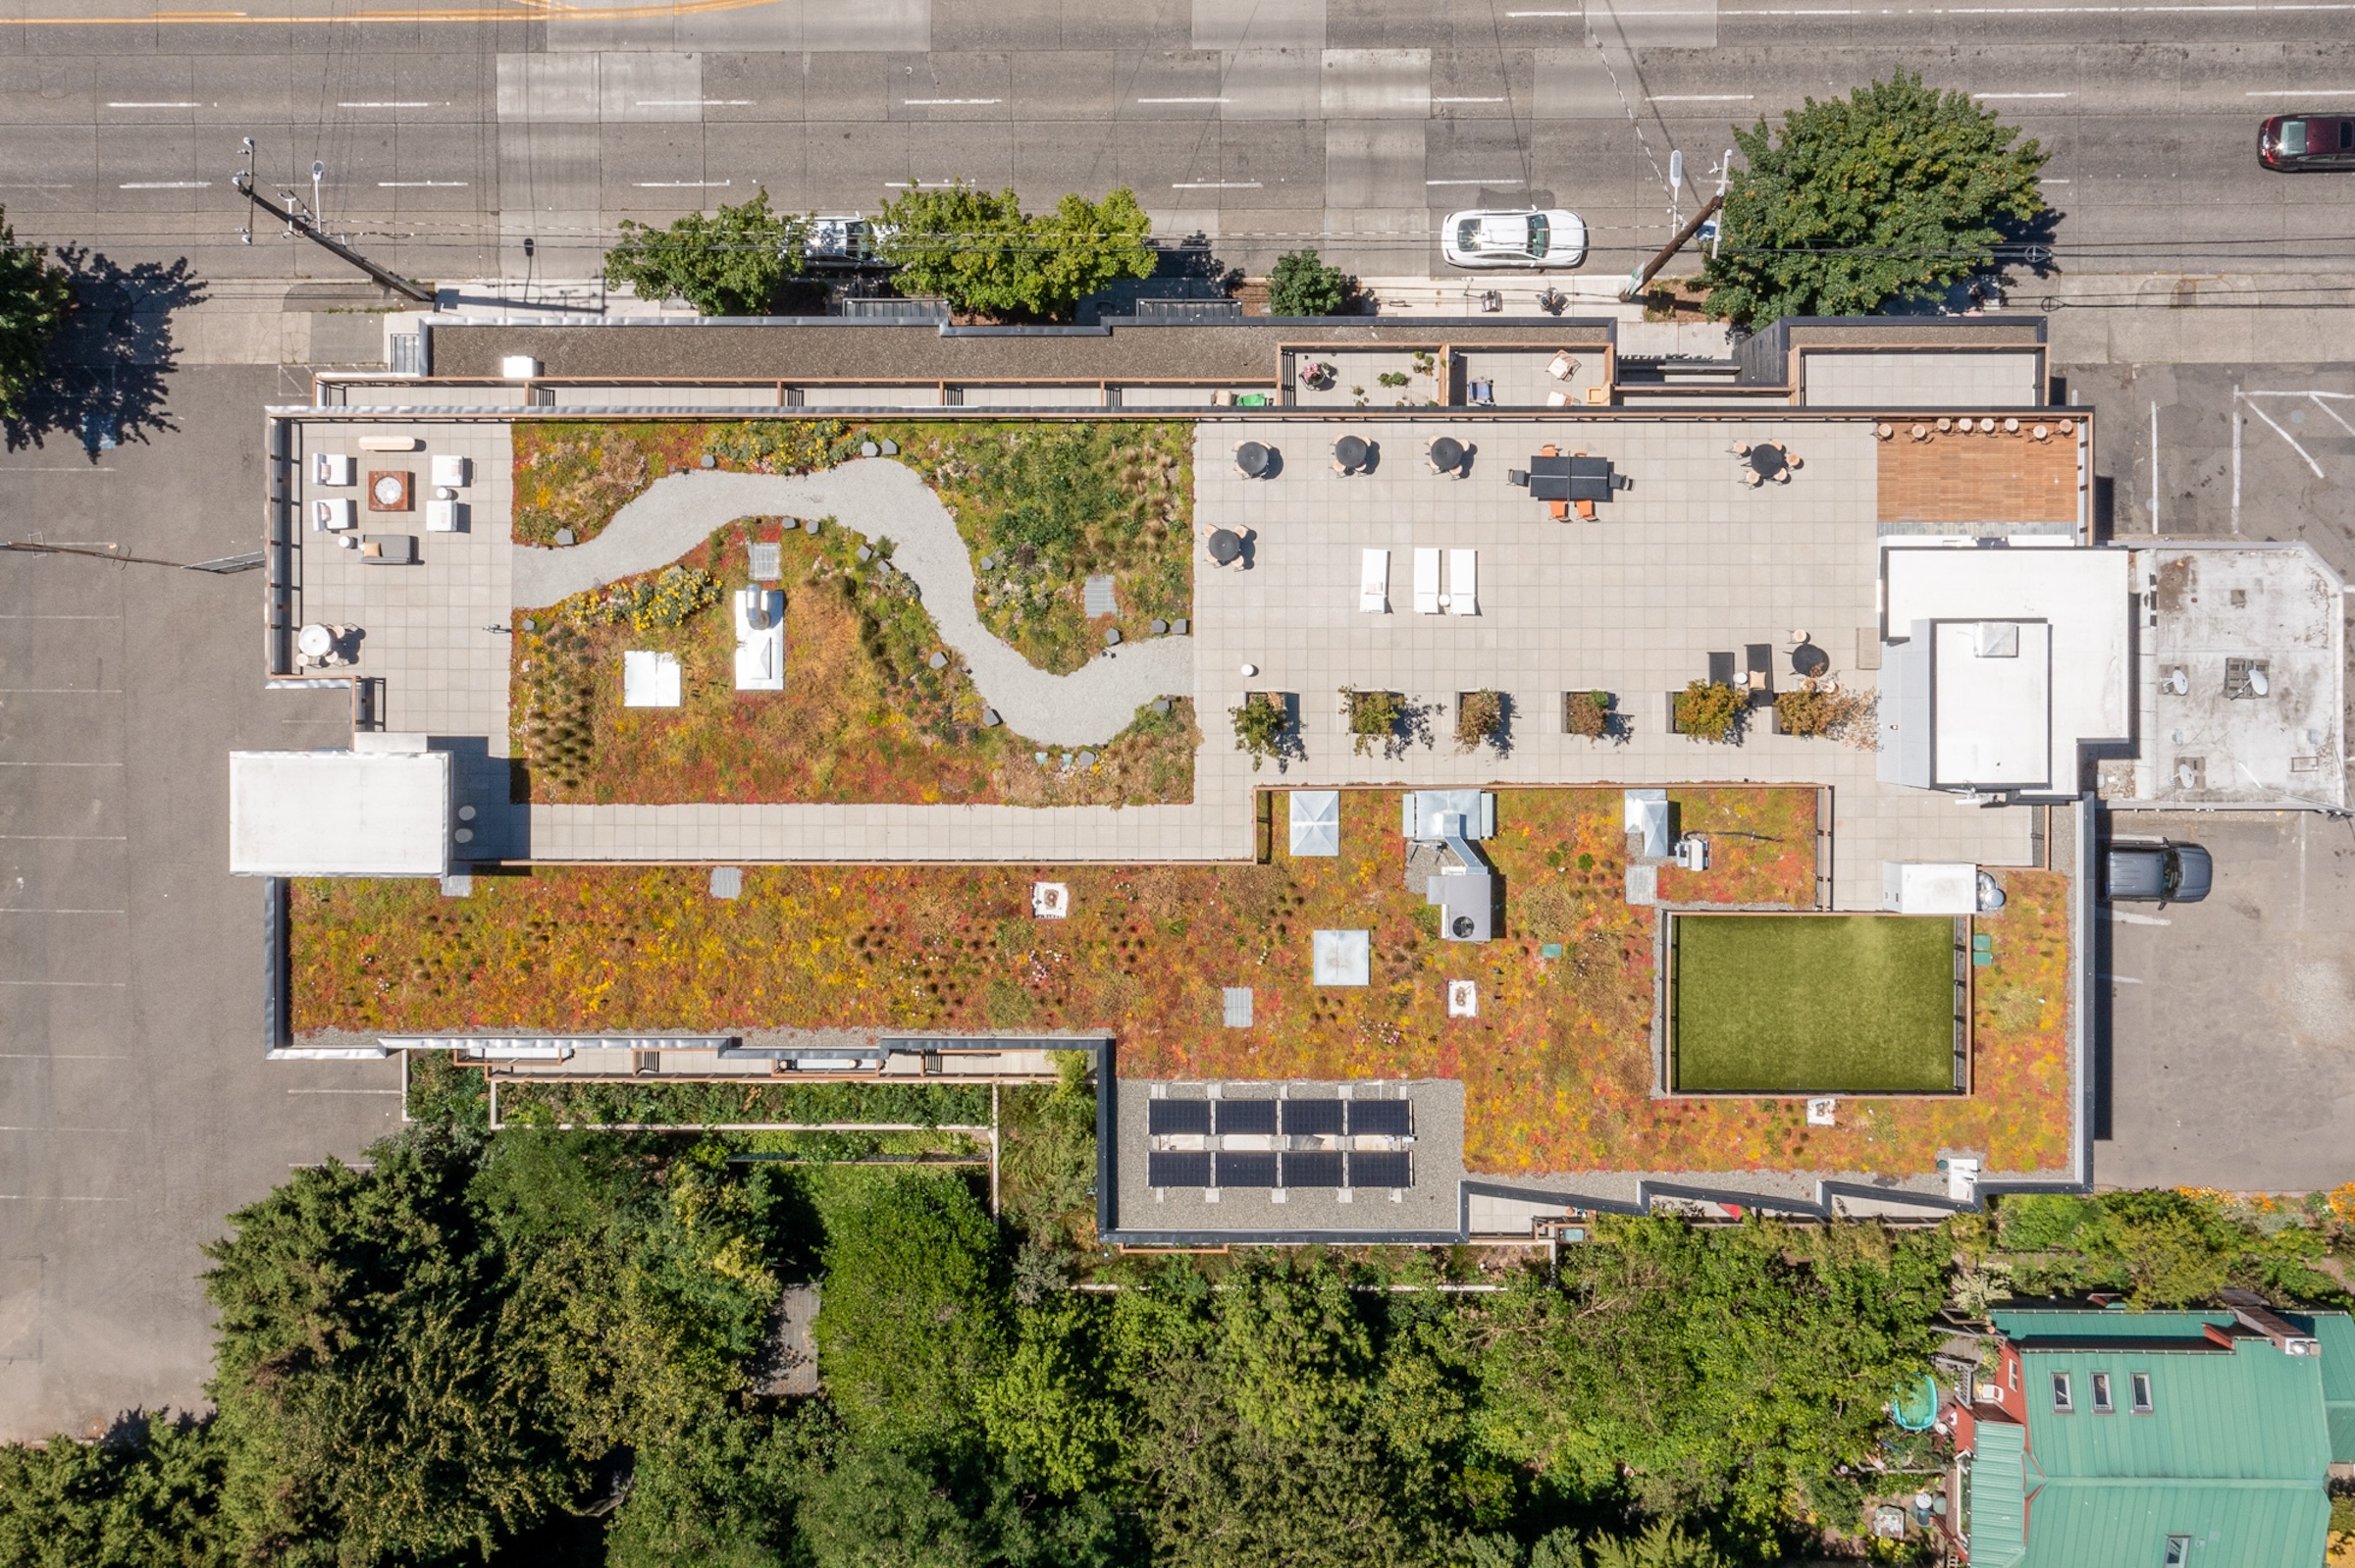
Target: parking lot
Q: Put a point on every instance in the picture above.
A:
(2231, 1038)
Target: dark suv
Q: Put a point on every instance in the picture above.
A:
(2307, 143)
(2163, 874)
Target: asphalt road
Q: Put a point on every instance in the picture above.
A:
(135, 1108)
(1264, 125)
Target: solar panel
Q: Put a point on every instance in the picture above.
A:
(1177, 1116)
(1318, 1169)
(1177, 1169)
(1381, 1170)
(1246, 1116)
(1245, 1171)
(1392, 1119)
(1312, 1119)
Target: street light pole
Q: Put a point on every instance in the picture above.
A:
(306, 226)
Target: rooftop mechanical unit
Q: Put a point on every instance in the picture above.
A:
(1470, 895)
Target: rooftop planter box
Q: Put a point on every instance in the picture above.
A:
(1594, 715)
(1705, 712)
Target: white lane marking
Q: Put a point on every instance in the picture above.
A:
(1519, 14)
(1185, 100)
(920, 185)
(177, 104)
(77, 985)
(1702, 97)
(715, 103)
(1499, 179)
(27, 908)
(61, 1055)
(920, 103)
(61, 1129)
(2005, 97)
(2139, 919)
(168, 184)
(2331, 412)
(2154, 465)
(53, 1197)
(2052, 182)
(2305, 92)
(60, 764)
(342, 1091)
(2237, 423)
(65, 838)
(1217, 184)
(396, 103)
(2251, 400)
(60, 690)
(2114, 979)
(421, 185)
(680, 185)
(1463, 100)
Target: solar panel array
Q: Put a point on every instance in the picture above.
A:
(1166, 1116)
(1235, 1167)
(1392, 1118)
(1312, 1119)
(1246, 1117)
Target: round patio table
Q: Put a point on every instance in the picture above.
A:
(1350, 451)
(1225, 545)
(1809, 659)
(1252, 458)
(1446, 453)
(1767, 461)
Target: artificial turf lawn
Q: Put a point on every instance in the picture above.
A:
(1829, 1004)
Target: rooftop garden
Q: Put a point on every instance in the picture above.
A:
(864, 716)
(1043, 505)
(1557, 1066)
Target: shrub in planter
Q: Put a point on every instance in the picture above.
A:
(1711, 712)
(1833, 715)
(1259, 721)
(1587, 713)
(1373, 716)
(1479, 716)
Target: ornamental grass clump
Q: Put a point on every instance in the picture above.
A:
(1832, 716)
(664, 601)
(1708, 712)
(1373, 717)
(1587, 713)
(1478, 718)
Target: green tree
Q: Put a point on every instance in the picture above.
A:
(150, 1502)
(1891, 193)
(1303, 285)
(366, 1404)
(720, 1494)
(981, 252)
(911, 1324)
(34, 297)
(730, 263)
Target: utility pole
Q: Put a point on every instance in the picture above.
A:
(1634, 286)
(305, 225)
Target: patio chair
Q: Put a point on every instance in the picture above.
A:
(1586, 509)
(1517, 475)
(1373, 582)
(1721, 669)
(1547, 450)
(1561, 367)
(1557, 399)
(1622, 482)
(1560, 511)
(1759, 676)
(1463, 582)
(1427, 582)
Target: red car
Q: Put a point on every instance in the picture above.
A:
(2307, 143)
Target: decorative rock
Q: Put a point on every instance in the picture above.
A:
(530, 625)
(891, 449)
(1160, 626)
(1250, 669)
(563, 536)
(1088, 759)
(988, 562)
(867, 448)
(990, 720)
(1040, 757)
(810, 525)
(938, 662)
(1161, 705)
(1178, 627)
(866, 554)
(1112, 636)
(710, 461)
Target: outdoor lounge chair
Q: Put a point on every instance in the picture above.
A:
(1463, 582)
(1517, 475)
(1373, 582)
(1759, 658)
(1560, 511)
(1586, 509)
(1427, 582)
(1721, 669)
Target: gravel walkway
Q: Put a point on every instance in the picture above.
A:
(880, 498)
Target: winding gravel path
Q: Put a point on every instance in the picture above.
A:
(880, 498)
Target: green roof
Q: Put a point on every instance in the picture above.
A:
(2234, 1452)
(2336, 1331)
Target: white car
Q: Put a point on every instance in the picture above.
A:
(843, 238)
(1548, 238)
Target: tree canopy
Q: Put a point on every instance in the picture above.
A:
(1303, 285)
(983, 253)
(1892, 193)
(729, 263)
(35, 296)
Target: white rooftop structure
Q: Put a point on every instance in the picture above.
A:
(2002, 665)
(1922, 887)
(1315, 822)
(376, 812)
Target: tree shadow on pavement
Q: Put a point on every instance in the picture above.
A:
(109, 363)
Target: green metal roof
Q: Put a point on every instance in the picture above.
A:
(2336, 1331)
(2235, 1453)
(1998, 1519)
